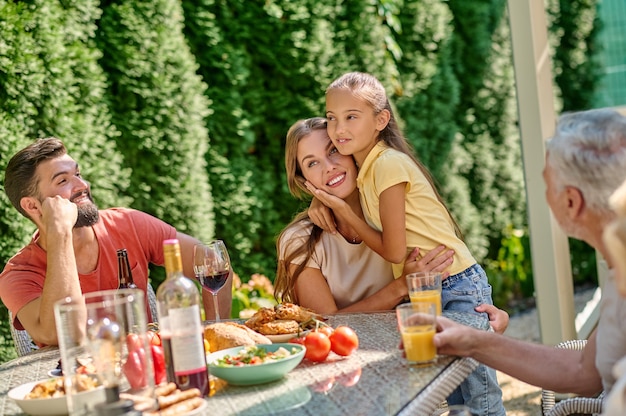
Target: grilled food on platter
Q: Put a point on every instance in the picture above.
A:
(279, 326)
(54, 387)
(285, 318)
(295, 312)
(262, 316)
(222, 335)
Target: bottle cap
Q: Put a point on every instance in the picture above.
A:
(171, 252)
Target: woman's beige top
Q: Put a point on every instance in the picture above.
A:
(353, 271)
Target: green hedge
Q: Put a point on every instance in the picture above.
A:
(180, 108)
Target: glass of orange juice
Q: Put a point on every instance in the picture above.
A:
(417, 325)
(425, 287)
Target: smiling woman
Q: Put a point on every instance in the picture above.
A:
(331, 272)
(303, 248)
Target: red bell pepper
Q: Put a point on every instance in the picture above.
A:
(133, 369)
(158, 360)
(135, 364)
(134, 342)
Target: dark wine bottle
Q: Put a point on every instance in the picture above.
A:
(124, 274)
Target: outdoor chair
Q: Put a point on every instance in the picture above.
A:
(571, 405)
(24, 343)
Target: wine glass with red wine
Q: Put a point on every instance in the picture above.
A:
(211, 264)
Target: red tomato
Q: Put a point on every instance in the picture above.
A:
(344, 341)
(154, 338)
(317, 346)
(325, 330)
(299, 340)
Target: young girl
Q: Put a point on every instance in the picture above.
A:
(403, 209)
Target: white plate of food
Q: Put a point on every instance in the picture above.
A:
(281, 338)
(49, 398)
(284, 322)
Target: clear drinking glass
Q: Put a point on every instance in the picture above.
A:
(211, 264)
(107, 330)
(417, 326)
(425, 287)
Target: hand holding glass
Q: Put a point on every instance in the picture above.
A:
(211, 265)
(417, 325)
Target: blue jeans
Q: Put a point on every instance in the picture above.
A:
(480, 391)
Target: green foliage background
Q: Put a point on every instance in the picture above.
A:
(180, 108)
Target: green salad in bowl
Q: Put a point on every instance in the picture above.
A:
(255, 364)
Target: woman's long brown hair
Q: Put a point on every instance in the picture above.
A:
(285, 281)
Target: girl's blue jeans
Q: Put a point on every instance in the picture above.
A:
(480, 391)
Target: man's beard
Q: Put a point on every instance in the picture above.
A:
(87, 215)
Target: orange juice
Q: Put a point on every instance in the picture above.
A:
(427, 296)
(418, 343)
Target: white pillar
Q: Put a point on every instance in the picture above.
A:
(549, 247)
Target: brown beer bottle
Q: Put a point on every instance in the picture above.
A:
(123, 271)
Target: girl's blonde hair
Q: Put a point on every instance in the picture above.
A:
(369, 89)
(284, 283)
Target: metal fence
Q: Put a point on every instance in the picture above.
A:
(612, 91)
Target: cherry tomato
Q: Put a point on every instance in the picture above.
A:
(317, 346)
(325, 330)
(344, 341)
(154, 338)
(299, 340)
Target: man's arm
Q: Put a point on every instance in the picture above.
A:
(561, 370)
(56, 220)
(225, 295)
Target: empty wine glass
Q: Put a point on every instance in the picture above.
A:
(108, 330)
(211, 264)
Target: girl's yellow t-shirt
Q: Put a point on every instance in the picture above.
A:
(427, 221)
